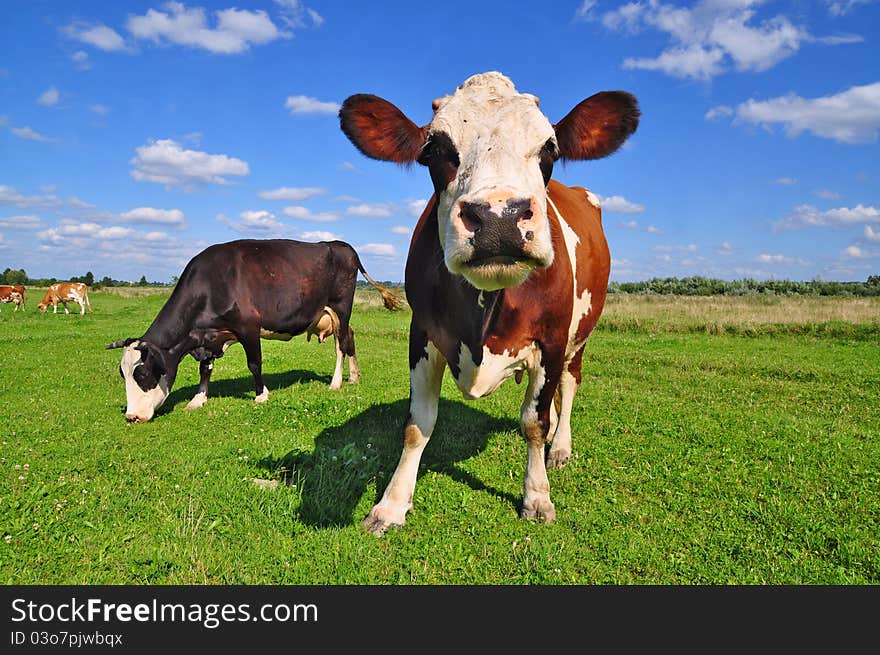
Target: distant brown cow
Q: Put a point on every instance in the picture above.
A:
(64, 292)
(14, 294)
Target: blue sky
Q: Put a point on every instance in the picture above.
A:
(134, 134)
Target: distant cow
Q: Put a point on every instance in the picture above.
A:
(507, 269)
(64, 292)
(13, 293)
(243, 291)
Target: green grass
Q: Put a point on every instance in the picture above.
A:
(698, 459)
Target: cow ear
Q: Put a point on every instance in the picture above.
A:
(121, 343)
(380, 130)
(597, 126)
(152, 357)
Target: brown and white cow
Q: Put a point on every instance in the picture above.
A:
(507, 269)
(13, 293)
(244, 291)
(64, 292)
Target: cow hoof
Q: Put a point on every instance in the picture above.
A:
(198, 400)
(335, 386)
(541, 511)
(380, 519)
(263, 397)
(556, 460)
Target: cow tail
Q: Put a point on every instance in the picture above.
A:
(389, 298)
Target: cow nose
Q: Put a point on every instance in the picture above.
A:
(476, 215)
(134, 418)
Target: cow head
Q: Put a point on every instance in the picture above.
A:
(148, 373)
(490, 152)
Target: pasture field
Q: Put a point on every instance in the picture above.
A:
(712, 445)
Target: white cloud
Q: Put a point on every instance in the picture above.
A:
(630, 225)
(415, 207)
(401, 229)
(871, 234)
(710, 37)
(620, 205)
(292, 193)
(778, 259)
(694, 61)
(371, 210)
(255, 222)
(21, 222)
(691, 247)
(166, 162)
(804, 216)
(718, 112)
(30, 135)
(235, 31)
(81, 59)
(101, 110)
(151, 216)
(653, 229)
(9, 196)
(377, 249)
(305, 214)
(99, 35)
(724, 250)
(307, 105)
(585, 11)
(852, 116)
(836, 8)
(49, 97)
(786, 181)
(856, 252)
(318, 235)
(827, 194)
(296, 15)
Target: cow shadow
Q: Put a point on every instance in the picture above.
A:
(348, 458)
(242, 387)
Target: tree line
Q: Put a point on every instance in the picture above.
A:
(685, 286)
(702, 286)
(19, 276)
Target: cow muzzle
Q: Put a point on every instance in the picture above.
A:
(498, 240)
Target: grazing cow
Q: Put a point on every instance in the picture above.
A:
(243, 291)
(64, 292)
(13, 293)
(507, 269)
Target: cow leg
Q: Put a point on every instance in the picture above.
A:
(206, 366)
(254, 354)
(535, 426)
(354, 372)
(336, 382)
(560, 448)
(425, 378)
(82, 308)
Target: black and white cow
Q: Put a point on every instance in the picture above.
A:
(244, 291)
(507, 269)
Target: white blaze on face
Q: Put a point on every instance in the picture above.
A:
(582, 304)
(499, 134)
(140, 405)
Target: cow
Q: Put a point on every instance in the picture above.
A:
(13, 293)
(64, 292)
(507, 269)
(244, 291)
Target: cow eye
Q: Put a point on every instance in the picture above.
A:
(548, 155)
(439, 149)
